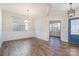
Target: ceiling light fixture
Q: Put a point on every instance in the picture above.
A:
(28, 20)
(28, 17)
(27, 14)
(71, 12)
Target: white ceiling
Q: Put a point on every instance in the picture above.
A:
(64, 6)
(37, 8)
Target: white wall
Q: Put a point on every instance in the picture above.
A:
(0, 27)
(8, 33)
(64, 28)
(54, 33)
(64, 24)
(39, 26)
(42, 26)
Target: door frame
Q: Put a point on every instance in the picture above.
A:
(70, 39)
(60, 26)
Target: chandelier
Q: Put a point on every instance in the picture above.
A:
(71, 12)
(28, 17)
(28, 20)
(28, 14)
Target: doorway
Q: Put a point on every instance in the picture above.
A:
(73, 30)
(55, 34)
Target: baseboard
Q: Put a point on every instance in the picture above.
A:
(65, 42)
(73, 43)
(17, 39)
(55, 36)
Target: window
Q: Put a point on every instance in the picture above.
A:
(20, 25)
(55, 27)
(75, 27)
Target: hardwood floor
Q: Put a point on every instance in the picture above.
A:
(38, 47)
(64, 48)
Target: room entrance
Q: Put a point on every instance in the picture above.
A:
(55, 34)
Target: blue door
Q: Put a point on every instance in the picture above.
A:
(73, 30)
